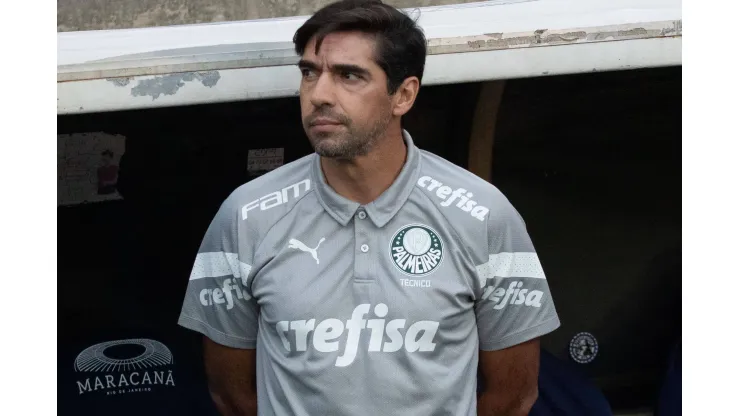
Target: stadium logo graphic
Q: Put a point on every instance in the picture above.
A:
(124, 366)
(583, 348)
(416, 250)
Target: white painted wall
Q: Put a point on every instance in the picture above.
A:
(166, 66)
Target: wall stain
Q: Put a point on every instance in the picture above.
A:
(541, 37)
(565, 37)
(171, 83)
(119, 82)
(620, 34)
(73, 15)
(674, 31)
(497, 35)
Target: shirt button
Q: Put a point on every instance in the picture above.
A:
(362, 215)
(364, 248)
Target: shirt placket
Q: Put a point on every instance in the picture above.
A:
(363, 249)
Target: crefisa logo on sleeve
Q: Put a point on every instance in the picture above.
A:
(124, 366)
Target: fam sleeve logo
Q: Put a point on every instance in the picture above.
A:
(124, 366)
(416, 250)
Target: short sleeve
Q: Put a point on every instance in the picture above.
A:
(218, 301)
(513, 303)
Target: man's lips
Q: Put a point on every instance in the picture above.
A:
(324, 122)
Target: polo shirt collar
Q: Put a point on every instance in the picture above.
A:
(383, 208)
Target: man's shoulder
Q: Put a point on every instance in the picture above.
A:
(459, 193)
(273, 194)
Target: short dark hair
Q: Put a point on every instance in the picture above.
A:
(401, 47)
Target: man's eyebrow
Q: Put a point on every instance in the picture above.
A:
(356, 69)
(307, 64)
(303, 63)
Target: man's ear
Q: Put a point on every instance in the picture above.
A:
(405, 96)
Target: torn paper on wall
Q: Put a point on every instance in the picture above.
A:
(87, 167)
(264, 160)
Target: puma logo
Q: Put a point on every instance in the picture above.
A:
(293, 243)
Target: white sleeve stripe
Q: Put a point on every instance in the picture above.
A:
(503, 265)
(219, 264)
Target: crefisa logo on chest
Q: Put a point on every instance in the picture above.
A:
(416, 250)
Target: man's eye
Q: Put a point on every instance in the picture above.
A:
(350, 76)
(307, 73)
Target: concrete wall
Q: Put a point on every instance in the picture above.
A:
(74, 15)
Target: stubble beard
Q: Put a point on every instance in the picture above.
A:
(349, 142)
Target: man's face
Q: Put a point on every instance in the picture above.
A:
(345, 105)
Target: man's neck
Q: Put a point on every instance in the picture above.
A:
(365, 178)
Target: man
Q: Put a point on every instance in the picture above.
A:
(369, 278)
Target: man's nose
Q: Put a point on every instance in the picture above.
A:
(322, 93)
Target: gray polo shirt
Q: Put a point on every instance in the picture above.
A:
(373, 309)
